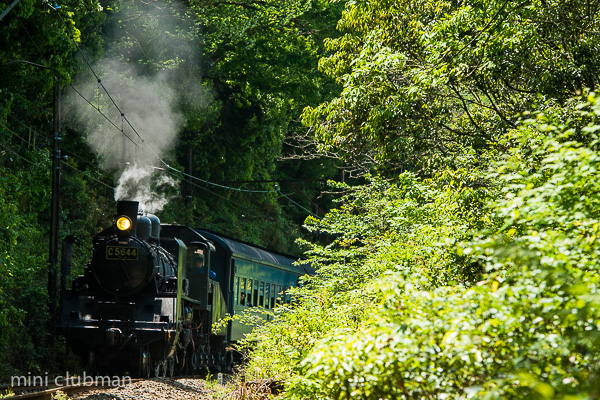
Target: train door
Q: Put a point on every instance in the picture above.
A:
(198, 272)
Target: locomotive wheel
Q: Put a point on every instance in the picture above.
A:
(170, 367)
(229, 361)
(91, 363)
(194, 362)
(145, 365)
(190, 363)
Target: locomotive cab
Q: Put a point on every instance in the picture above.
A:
(200, 286)
(199, 271)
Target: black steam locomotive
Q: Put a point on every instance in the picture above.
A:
(151, 293)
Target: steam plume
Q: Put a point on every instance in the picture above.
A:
(147, 103)
(163, 36)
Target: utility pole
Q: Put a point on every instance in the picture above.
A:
(55, 156)
(188, 181)
(54, 216)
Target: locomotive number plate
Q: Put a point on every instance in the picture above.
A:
(121, 253)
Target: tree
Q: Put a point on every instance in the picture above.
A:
(523, 326)
(425, 83)
(37, 53)
(378, 230)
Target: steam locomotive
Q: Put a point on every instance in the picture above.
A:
(151, 293)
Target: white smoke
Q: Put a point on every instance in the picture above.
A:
(134, 144)
(148, 103)
(142, 184)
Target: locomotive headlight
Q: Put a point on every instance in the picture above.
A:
(123, 223)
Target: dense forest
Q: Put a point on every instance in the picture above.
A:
(436, 161)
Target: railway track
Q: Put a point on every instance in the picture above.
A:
(191, 387)
(46, 392)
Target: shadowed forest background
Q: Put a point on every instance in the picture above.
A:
(436, 161)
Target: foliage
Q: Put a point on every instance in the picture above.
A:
(22, 319)
(378, 228)
(260, 58)
(382, 215)
(7, 393)
(242, 71)
(238, 99)
(37, 52)
(526, 327)
(37, 55)
(425, 82)
(60, 395)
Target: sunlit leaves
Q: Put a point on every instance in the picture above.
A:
(442, 78)
(23, 265)
(528, 327)
(376, 229)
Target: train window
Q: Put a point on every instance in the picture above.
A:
(261, 298)
(255, 297)
(242, 291)
(195, 261)
(279, 294)
(288, 299)
(249, 292)
(267, 294)
(236, 290)
(273, 295)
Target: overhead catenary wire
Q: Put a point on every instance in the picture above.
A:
(173, 170)
(7, 129)
(13, 132)
(7, 10)
(97, 108)
(162, 161)
(37, 133)
(297, 204)
(215, 184)
(91, 177)
(243, 190)
(16, 153)
(21, 123)
(89, 65)
(176, 174)
(71, 153)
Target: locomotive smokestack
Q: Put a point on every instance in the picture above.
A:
(130, 210)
